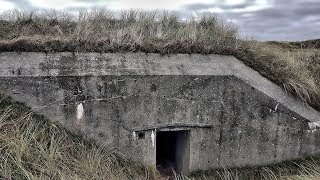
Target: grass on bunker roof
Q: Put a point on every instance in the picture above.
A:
(295, 66)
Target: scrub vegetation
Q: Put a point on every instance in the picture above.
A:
(33, 148)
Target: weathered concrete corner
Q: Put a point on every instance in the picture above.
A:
(217, 111)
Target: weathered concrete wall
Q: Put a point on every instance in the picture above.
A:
(235, 116)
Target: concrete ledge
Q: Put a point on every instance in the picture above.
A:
(172, 125)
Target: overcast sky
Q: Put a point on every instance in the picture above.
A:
(261, 19)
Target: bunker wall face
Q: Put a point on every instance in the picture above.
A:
(247, 127)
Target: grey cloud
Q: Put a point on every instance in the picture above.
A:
(22, 4)
(195, 7)
(26, 4)
(285, 20)
(202, 6)
(308, 9)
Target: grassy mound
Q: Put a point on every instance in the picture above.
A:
(303, 169)
(309, 44)
(295, 66)
(101, 31)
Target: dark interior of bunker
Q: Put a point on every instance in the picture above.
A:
(171, 151)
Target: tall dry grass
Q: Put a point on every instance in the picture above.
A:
(103, 31)
(296, 70)
(294, 66)
(303, 169)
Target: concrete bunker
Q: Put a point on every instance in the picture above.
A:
(217, 108)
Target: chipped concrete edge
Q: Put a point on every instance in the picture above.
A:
(264, 85)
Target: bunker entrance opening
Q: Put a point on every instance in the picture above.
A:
(172, 151)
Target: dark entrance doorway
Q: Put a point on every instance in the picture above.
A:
(172, 151)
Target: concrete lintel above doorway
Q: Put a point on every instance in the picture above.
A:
(171, 126)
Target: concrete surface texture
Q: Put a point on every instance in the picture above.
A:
(216, 111)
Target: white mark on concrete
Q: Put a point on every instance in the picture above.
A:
(239, 131)
(54, 72)
(294, 117)
(314, 125)
(152, 138)
(313, 130)
(80, 111)
(276, 108)
(134, 135)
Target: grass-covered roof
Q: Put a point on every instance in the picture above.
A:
(295, 66)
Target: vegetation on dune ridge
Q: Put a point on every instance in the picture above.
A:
(102, 31)
(309, 44)
(292, 65)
